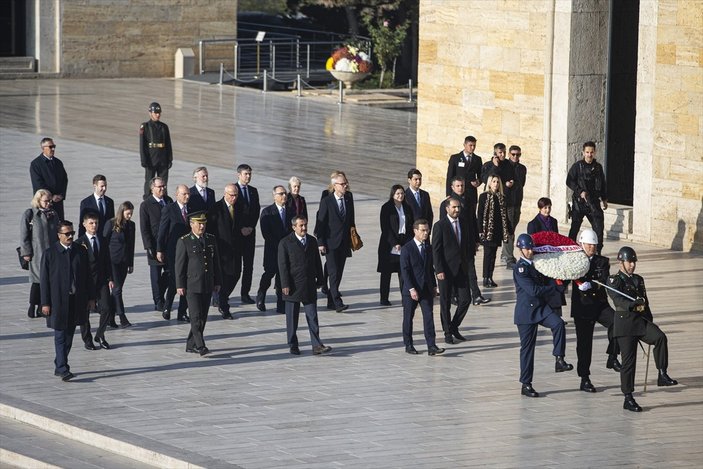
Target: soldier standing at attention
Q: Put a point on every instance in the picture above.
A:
(197, 276)
(155, 148)
(633, 322)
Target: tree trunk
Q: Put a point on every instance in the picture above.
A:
(380, 82)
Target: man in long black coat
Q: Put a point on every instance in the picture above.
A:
(67, 293)
(149, 221)
(47, 172)
(224, 225)
(300, 269)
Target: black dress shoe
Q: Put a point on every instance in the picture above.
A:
(103, 344)
(331, 307)
(341, 308)
(490, 283)
(665, 380)
(321, 349)
(294, 350)
(480, 300)
(561, 365)
(449, 339)
(261, 306)
(247, 300)
(67, 376)
(191, 350)
(587, 386)
(184, 318)
(613, 363)
(166, 314)
(630, 404)
(89, 346)
(432, 351)
(459, 337)
(159, 306)
(113, 325)
(203, 351)
(411, 350)
(125, 325)
(529, 391)
(225, 314)
(32, 311)
(386, 303)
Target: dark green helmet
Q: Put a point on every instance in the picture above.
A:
(155, 107)
(626, 253)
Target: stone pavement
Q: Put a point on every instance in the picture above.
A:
(250, 404)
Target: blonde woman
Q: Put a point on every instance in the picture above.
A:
(493, 225)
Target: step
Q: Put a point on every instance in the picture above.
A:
(618, 222)
(17, 65)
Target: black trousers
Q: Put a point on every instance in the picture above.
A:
(489, 260)
(584, 339)
(171, 295)
(264, 285)
(628, 350)
(292, 315)
(227, 284)
(450, 284)
(473, 279)
(245, 262)
(151, 173)
(336, 260)
(426, 303)
(119, 276)
(596, 219)
(385, 286)
(103, 308)
(159, 283)
(63, 340)
(199, 304)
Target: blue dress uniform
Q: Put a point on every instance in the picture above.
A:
(198, 271)
(534, 293)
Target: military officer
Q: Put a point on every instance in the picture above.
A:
(532, 308)
(197, 276)
(634, 322)
(589, 304)
(155, 148)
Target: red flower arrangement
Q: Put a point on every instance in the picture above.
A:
(558, 256)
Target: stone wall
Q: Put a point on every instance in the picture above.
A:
(137, 38)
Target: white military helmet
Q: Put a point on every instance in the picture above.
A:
(588, 236)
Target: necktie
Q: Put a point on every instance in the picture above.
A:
(162, 202)
(231, 212)
(302, 241)
(183, 214)
(417, 197)
(101, 205)
(94, 242)
(342, 212)
(422, 250)
(283, 216)
(456, 230)
(245, 191)
(203, 194)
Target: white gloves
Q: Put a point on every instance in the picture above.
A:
(585, 286)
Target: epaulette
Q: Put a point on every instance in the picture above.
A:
(185, 236)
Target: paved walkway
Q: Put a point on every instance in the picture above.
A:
(250, 404)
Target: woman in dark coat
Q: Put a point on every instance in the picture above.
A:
(493, 225)
(396, 221)
(295, 203)
(38, 228)
(543, 221)
(119, 235)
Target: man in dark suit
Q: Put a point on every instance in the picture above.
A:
(247, 211)
(301, 274)
(197, 277)
(589, 304)
(467, 165)
(98, 203)
(534, 294)
(335, 217)
(275, 225)
(67, 293)
(459, 193)
(418, 199)
(173, 225)
(155, 148)
(149, 221)
(450, 245)
(224, 225)
(47, 172)
(202, 198)
(419, 287)
(513, 198)
(100, 271)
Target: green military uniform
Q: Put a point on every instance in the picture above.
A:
(198, 271)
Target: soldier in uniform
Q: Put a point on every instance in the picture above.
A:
(532, 308)
(197, 276)
(155, 148)
(589, 304)
(634, 322)
(587, 179)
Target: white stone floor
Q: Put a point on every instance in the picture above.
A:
(368, 404)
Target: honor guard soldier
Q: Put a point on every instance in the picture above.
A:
(155, 148)
(197, 276)
(633, 323)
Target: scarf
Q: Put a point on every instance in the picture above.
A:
(489, 213)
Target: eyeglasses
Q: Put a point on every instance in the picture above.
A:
(280, 193)
(67, 233)
(231, 194)
(159, 187)
(516, 154)
(49, 146)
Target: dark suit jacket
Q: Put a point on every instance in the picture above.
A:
(415, 271)
(248, 212)
(197, 267)
(196, 202)
(505, 171)
(627, 321)
(423, 211)
(149, 220)
(300, 269)
(533, 294)
(468, 214)
(89, 204)
(273, 231)
(390, 224)
(333, 230)
(171, 227)
(589, 304)
(55, 284)
(536, 225)
(291, 206)
(100, 269)
(227, 234)
(470, 171)
(120, 244)
(450, 258)
(514, 195)
(45, 177)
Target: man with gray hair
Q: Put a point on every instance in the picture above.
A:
(202, 198)
(224, 225)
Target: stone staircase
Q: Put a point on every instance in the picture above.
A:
(618, 222)
(17, 67)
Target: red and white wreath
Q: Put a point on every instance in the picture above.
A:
(558, 256)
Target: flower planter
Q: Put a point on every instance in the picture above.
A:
(348, 78)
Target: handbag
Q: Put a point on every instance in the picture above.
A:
(24, 263)
(356, 242)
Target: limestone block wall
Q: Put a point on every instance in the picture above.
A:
(668, 206)
(136, 38)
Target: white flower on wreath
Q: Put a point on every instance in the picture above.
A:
(562, 265)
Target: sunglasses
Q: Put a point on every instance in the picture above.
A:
(49, 146)
(67, 233)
